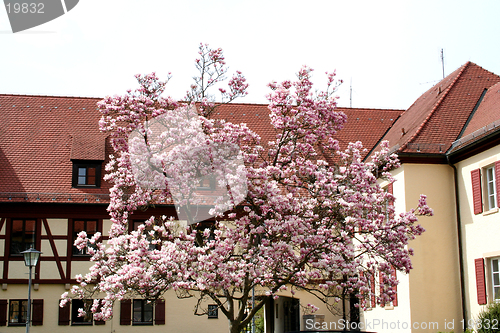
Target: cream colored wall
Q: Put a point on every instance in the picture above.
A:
(2, 242)
(179, 315)
(381, 319)
(106, 225)
(481, 233)
(435, 279)
(58, 227)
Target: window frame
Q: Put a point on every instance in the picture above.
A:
(213, 311)
(144, 303)
(18, 323)
(77, 165)
(23, 243)
(492, 274)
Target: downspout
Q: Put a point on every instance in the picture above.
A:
(460, 249)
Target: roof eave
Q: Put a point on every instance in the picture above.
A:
(422, 158)
(478, 146)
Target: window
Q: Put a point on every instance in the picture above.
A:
(86, 174)
(142, 312)
(68, 314)
(17, 311)
(23, 235)
(485, 185)
(213, 311)
(495, 278)
(81, 304)
(490, 188)
(150, 238)
(481, 286)
(89, 226)
(382, 285)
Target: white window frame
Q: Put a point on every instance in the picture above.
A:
(495, 285)
(490, 188)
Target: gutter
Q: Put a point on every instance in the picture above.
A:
(460, 249)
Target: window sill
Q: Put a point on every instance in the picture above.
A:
(142, 324)
(389, 307)
(17, 324)
(81, 324)
(491, 211)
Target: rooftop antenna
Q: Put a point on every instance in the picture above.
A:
(350, 95)
(442, 61)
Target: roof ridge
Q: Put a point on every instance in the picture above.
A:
(436, 106)
(48, 96)
(368, 109)
(227, 104)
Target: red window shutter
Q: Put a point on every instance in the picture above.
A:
(477, 195)
(37, 312)
(160, 312)
(480, 282)
(497, 181)
(372, 287)
(64, 313)
(390, 189)
(3, 312)
(381, 285)
(126, 312)
(395, 289)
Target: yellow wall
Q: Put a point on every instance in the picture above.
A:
(434, 280)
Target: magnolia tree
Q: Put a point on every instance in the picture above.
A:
(292, 214)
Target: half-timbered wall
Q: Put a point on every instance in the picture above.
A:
(58, 266)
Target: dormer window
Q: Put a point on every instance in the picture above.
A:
(86, 174)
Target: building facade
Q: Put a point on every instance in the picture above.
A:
(52, 160)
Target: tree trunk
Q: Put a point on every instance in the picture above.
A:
(234, 327)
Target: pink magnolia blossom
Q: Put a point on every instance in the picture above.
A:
(313, 218)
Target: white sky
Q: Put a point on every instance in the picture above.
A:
(389, 49)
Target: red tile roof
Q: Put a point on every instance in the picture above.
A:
(41, 135)
(484, 122)
(437, 117)
(38, 137)
(488, 111)
(365, 125)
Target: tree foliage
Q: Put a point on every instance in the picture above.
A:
(295, 213)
